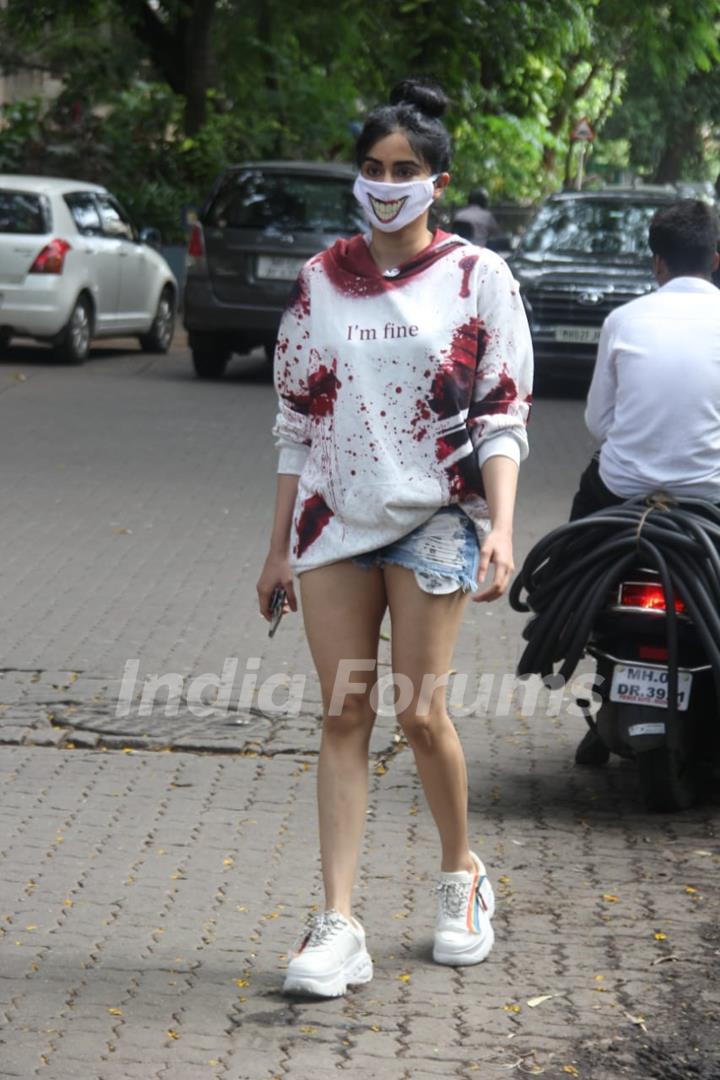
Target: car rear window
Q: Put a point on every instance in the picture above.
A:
(254, 199)
(591, 227)
(23, 213)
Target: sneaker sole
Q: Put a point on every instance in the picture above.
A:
(357, 971)
(475, 954)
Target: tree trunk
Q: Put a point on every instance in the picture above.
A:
(197, 63)
(180, 50)
(681, 144)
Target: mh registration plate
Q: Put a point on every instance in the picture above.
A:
(633, 684)
(578, 335)
(278, 267)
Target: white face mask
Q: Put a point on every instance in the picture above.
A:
(390, 207)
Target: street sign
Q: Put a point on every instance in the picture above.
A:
(582, 132)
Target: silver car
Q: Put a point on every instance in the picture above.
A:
(73, 268)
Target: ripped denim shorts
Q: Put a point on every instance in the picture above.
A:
(443, 552)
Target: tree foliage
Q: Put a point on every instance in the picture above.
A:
(165, 92)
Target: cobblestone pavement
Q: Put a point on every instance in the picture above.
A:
(156, 862)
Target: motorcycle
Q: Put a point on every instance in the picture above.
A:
(636, 587)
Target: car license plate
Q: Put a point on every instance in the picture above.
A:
(578, 335)
(633, 684)
(278, 267)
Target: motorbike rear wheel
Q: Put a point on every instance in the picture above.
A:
(667, 779)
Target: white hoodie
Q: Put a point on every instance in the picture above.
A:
(394, 389)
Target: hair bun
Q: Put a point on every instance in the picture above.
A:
(424, 94)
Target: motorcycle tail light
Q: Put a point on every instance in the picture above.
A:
(646, 595)
(652, 652)
(51, 259)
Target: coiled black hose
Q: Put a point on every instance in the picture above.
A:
(568, 573)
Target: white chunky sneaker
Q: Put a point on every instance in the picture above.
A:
(331, 956)
(466, 904)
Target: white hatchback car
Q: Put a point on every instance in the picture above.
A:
(73, 268)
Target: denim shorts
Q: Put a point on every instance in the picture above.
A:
(443, 552)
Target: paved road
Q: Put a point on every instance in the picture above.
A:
(154, 859)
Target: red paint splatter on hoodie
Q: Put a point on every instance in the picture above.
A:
(314, 517)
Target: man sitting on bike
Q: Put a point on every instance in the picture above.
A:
(654, 400)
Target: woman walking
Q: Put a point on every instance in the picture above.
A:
(403, 370)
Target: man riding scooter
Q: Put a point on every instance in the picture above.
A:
(654, 400)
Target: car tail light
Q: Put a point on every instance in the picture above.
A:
(196, 244)
(51, 259)
(648, 596)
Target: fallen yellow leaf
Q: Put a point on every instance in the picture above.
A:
(535, 1001)
(375, 1027)
(241, 983)
(173, 1034)
(229, 861)
(659, 936)
(404, 978)
(690, 891)
(570, 1070)
(609, 898)
(115, 1012)
(512, 1008)
(308, 1029)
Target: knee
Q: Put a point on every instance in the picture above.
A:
(422, 730)
(352, 718)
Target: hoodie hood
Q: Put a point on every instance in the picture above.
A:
(353, 271)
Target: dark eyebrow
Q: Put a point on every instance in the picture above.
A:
(376, 161)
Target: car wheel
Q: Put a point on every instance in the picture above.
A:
(210, 355)
(159, 337)
(73, 345)
(4, 343)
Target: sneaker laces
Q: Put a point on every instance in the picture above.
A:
(317, 931)
(453, 897)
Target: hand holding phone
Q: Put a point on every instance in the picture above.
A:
(277, 608)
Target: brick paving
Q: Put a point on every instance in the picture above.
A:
(155, 868)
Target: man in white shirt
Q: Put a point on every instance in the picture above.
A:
(654, 401)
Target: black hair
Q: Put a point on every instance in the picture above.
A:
(479, 197)
(415, 108)
(685, 235)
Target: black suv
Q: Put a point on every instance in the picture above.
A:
(585, 253)
(262, 221)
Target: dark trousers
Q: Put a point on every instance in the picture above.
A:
(592, 494)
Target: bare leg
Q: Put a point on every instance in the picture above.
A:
(343, 606)
(424, 631)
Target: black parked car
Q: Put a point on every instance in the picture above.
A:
(262, 221)
(585, 253)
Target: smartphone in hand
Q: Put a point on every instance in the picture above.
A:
(277, 608)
